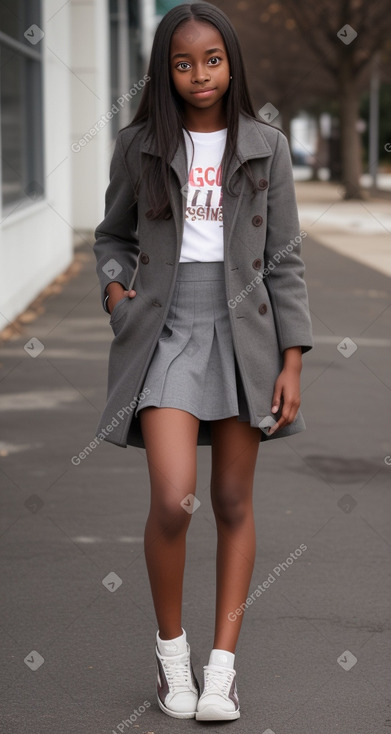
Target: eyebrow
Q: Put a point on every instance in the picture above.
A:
(208, 51)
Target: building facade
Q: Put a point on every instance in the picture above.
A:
(70, 77)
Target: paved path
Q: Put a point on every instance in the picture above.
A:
(360, 230)
(78, 656)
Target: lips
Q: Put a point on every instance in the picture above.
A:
(202, 92)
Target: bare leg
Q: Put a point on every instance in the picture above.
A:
(234, 453)
(170, 437)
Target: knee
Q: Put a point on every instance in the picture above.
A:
(230, 504)
(170, 515)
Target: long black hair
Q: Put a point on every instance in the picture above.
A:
(161, 107)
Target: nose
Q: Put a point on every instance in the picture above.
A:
(200, 74)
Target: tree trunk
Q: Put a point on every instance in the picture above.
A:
(317, 154)
(350, 144)
(286, 117)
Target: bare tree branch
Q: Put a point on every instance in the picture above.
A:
(306, 31)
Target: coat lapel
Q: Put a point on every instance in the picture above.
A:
(251, 143)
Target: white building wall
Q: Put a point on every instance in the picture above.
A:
(36, 237)
(90, 102)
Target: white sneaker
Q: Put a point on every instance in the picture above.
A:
(219, 700)
(177, 686)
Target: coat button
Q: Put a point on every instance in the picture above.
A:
(156, 303)
(263, 184)
(144, 258)
(257, 220)
(257, 264)
(262, 308)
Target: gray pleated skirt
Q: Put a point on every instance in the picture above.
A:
(194, 366)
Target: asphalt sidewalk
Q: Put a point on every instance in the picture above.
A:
(77, 627)
(360, 230)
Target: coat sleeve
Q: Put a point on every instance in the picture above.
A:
(116, 245)
(284, 267)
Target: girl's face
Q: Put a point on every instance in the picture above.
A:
(199, 61)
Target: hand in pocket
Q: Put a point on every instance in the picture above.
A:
(116, 295)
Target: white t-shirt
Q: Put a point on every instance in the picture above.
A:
(203, 229)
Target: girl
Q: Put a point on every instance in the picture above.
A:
(201, 219)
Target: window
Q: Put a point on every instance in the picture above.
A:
(21, 127)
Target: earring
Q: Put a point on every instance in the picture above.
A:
(230, 77)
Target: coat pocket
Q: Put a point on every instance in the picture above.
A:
(118, 311)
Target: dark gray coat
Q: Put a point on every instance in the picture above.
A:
(266, 292)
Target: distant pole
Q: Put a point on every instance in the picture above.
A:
(148, 27)
(374, 123)
(123, 58)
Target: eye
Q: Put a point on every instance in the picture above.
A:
(217, 58)
(181, 64)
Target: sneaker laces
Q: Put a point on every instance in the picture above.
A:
(218, 681)
(177, 673)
